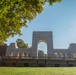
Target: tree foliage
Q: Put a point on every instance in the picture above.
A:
(40, 54)
(14, 14)
(21, 44)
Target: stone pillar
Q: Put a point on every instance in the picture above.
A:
(23, 55)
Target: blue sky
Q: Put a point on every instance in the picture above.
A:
(59, 18)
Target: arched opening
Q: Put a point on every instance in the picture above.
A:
(42, 49)
(70, 65)
(26, 64)
(57, 65)
(66, 55)
(41, 65)
(19, 55)
(74, 55)
(56, 55)
(28, 54)
(13, 64)
(4, 63)
(23, 55)
(61, 55)
(11, 55)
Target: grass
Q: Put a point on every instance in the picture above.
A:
(38, 71)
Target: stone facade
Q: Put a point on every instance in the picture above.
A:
(29, 56)
(38, 37)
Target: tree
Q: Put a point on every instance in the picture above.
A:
(21, 44)
(14, 14)
(40, 54)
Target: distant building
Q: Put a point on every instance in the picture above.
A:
(29, 56)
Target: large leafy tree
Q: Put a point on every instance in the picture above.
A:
(14, 14)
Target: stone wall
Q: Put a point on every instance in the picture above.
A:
(47, 37)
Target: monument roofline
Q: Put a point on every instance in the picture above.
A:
(42, 31)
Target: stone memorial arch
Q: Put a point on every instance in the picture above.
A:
(29, 56)
(45, 37)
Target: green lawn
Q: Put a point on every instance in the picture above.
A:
(38, 71)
